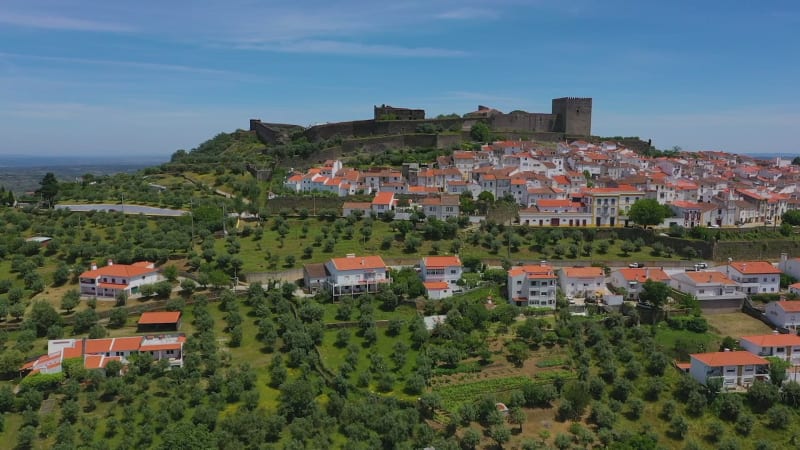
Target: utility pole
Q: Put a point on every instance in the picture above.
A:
(224, 217)
(191, 214)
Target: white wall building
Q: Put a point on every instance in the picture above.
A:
(353, 274)
(784, 314)
(532, 285)
(582, 281)
(739, 368)
(708, 285)
(108, 281)
(754, 277)
(784, 346)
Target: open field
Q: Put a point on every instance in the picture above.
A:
(736, 324)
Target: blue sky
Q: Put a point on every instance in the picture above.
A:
(149, 77)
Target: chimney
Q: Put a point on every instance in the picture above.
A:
(93, 265)
(776, 332)
(110, 262)
(726, 350)
(351, 255)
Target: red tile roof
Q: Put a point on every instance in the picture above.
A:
(789, 306)
(533, 271)
(754, 267)
(710, 277)
(358, 263)
(120, 270)
(383, 198)
(441, 261)
(773, 340)
(436, 285)
(154, 318)
(583, 272)
(720, 359)
(643, 274)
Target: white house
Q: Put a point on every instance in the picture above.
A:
(709, 285)
(353, 274)
(784, 314)
(97, 353)
(784, 346)
(740, 368)
(437, 290)
(754, 277)
(108, 281)
(383, 202)
(632, 279)
(790, 266)
(441, 207)
(582, 281)
(441, 268)
(348, 208)
(532, 285)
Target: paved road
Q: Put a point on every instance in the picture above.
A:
(127, 209)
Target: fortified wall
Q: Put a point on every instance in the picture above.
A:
(570, 117)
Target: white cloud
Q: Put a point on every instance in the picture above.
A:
(351, 48)
(57, 22)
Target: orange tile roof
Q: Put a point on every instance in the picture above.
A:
(737, 358)
(435, 285)
(358, 263)
(94, 346)
(98, 361)
(583, 272)
(152, 318)
(533, 271)
(555, 203)
(383, 198)
(125, 344)
(773, 340)
(754, 267)
(709, 277)
(119, 270)
(789, 306)
(441, 261)
(643, 274)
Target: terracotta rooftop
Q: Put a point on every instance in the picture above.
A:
(583, 272)
(754, 267)
(737, 358)
(154, 318)
(773, 340)
(441, 261)
(358, 263)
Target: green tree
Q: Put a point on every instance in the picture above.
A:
(655, 293)
(70, 300)
(170, 272)
(648, 212)
(480, 132)
(777, 370)
(44, 316)
(48, 189)
(118, 318)
(792, 217)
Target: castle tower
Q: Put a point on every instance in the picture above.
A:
(573, 115)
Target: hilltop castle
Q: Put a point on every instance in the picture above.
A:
(570, 117)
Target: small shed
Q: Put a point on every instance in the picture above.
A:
(159, 321)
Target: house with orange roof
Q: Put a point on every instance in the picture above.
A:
(632, 279)
(111, 280)
(582, 281)
(707, 285)
(97, 353)
(383, 203)
(753, 277)
(784, 314)
(294, 182)
(353, 275)
(532, 285)
(554, 213)
(609, 206)
(693, 214)
(441, 268)
(783, 346)
(442, 206)
(734, 368)
(348, 208)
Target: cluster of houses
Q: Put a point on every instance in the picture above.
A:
(97, 353)
(574, 184)
(536, 284)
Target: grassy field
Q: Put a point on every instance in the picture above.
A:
(736, 324)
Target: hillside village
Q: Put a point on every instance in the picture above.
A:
(573, 184)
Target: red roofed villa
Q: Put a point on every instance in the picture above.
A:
(739, 368)
(354, 275)
(107, 282)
